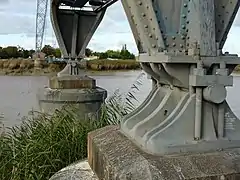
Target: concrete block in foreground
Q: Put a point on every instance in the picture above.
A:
(113, 156)
(76, 171)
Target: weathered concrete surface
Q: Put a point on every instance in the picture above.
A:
(77, 171)
(112, 156)
(77, 90)
(72, 82)
(88, 101)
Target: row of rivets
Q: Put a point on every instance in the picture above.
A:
(146, 26)
(221, 27)
(150, 35)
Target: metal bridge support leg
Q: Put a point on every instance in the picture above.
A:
(185, 128)
(180, 44)
(74, 29)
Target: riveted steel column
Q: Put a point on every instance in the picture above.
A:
(180, 44)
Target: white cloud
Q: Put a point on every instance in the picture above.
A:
(17, 19)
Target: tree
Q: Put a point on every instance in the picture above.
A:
(103, 55)
(58, 53)
(125, 54)
(48, 50)
(10, 52)
(88, 52)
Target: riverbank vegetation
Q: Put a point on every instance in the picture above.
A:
(26, 66)
(42, 145)
(10, 52)
(104, 64)
(18, 61)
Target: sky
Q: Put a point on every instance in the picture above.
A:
(17, 27)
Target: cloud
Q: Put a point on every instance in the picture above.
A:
(17, 19)
(2, 2)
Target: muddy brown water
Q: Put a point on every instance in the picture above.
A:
(18, 93)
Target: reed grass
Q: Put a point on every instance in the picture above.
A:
(44, 144)
(104, 64)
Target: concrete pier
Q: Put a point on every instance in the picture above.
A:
(80, 91)
(113, 156)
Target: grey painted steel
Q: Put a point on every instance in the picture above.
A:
(180, 44)
(74, 29)
(42, 6)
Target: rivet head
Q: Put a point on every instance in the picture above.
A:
(173, 44)
(183, 27)
(182, 37)
(143, 14)
(146, 26)
(185, 5)
(154, 45)
(184, 16)
(181, 45)
(173, 37)
(150, 35)
(139, 3)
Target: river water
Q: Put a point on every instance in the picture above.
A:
(18, 93)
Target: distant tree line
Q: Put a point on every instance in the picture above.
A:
(123, 54)
(19, 52)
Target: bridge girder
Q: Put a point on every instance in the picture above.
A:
(75, 26)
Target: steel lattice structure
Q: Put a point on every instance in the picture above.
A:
(40, 23)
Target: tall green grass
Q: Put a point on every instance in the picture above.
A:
(43, 144)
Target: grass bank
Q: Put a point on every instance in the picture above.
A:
(26, 66)
(42, 145)
(106, 65)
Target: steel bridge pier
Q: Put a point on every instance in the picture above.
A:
(185, 128)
